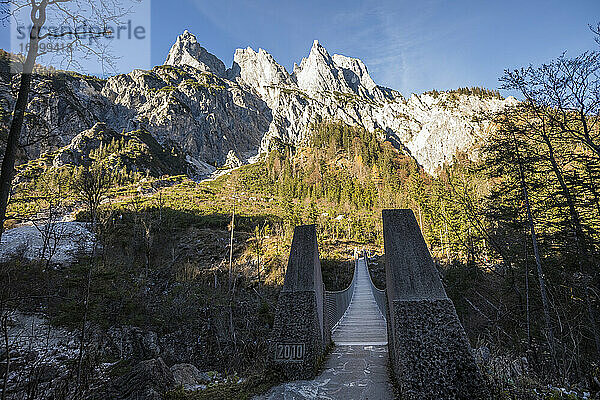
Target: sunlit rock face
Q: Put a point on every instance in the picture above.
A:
(216, 115)
(318, 72)
(187, 51)
(207, 116)
(325, 87)
(259, 71)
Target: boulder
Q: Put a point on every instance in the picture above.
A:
(149, 380)
(189, 376)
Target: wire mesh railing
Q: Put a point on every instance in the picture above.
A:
(337, 302)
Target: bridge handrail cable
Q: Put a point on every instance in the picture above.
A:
(337, 302)
(378, 294)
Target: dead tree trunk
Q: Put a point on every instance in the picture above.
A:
(12, 142)
(231, 248)
(536, 252)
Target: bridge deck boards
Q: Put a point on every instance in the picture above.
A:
(362, 324)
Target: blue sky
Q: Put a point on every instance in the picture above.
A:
(408, 45)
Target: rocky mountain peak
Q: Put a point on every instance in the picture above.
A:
(241, 111)
(319, 52)
(187, 51)
(318, 72)
(321, 72)
(259, 70)
(355, 72)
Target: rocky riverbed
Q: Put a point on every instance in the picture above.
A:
(58, 243)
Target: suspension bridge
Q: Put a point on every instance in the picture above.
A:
(367, 343)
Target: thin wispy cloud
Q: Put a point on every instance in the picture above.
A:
(391, 42)
(409, 46)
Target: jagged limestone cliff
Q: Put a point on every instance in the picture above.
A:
(215, 114)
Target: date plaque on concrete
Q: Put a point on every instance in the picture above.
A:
(289, 352)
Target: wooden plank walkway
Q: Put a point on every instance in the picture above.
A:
(362, 324)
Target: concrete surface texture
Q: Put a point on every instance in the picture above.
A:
(304, 268)
(299, 316)
(350, 373)
(410, 271)
(430, 352)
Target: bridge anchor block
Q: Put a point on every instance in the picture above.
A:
(429, 349)
(299, 335)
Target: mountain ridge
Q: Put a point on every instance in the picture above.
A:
(217, 114)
